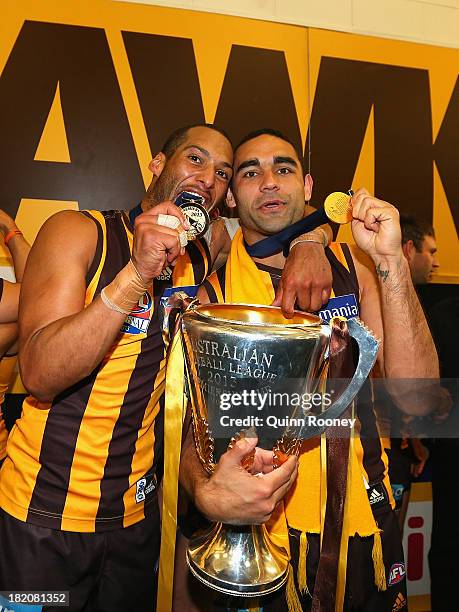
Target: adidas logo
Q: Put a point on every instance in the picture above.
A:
(165, 274)
(375, 497)
(400, 603)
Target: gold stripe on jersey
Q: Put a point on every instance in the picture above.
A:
(77, 465)
(15, 499)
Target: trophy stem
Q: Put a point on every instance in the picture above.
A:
(239, 560)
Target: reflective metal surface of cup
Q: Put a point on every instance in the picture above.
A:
(229, 347)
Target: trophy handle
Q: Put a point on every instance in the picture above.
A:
(176, 305)
(368, 349)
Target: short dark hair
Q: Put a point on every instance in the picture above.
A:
(416, 230)
(269, 132)
(178, 137)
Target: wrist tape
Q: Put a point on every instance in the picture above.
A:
(125, 290)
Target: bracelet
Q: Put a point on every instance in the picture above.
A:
(125, 290)
(109, 303)
(312, 237)
(11, 234)
(301, 239)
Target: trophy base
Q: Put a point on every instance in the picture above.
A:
(238, 560)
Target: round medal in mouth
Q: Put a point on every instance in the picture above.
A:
(199, 220)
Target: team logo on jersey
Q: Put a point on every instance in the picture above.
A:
(138, 321)
(341, 306)
(396, 574)
(140, 490)
(144, 486)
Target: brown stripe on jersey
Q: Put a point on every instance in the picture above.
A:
(98, 253)
(210, 292)
(221, 275)
(197, 261)
(350, 264)
(344, 282)
(118, 251)
(158, 464)
(369, 436)
(122, 445)
(205, 248)
(60, 435)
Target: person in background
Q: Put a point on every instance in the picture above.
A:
(19, 249)
(408, 455)
(443, 557)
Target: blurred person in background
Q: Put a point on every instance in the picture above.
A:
(9, 300)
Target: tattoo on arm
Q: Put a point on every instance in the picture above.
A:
(382, 273)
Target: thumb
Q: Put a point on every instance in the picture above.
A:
(243, 447)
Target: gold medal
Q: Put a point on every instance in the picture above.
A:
(338, 207)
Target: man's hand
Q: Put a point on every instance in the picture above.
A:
(421, 453)
(376, 226)
(306, 280)
(6, 222)
(155, 246)
(263, 461)
(233, 495)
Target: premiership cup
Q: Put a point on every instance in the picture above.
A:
(228, 347)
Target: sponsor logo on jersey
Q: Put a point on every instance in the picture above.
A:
(396, 574)
(375, 497)
(377, 494)
(165, 274)
(341, 306)
(138, 320)
(397, 491)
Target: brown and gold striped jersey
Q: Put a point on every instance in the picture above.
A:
(91, 459)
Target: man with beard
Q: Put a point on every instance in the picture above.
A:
(78, 489)
(269, 189)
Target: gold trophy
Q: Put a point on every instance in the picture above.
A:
(228, 349)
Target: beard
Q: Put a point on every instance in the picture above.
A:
(163, 189)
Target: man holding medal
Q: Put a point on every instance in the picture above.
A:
(269, 189)
(78, 488)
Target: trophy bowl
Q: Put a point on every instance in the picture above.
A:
(235, 348)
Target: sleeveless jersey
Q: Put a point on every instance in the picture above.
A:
(91, 460)
(369, 451)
